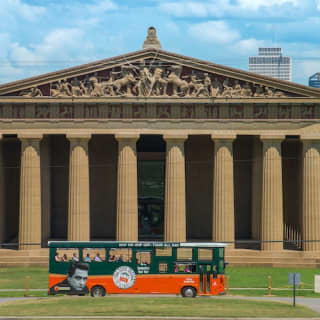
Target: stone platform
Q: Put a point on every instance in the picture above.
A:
(235, 257)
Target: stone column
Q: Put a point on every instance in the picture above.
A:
(223, 189)
(311, 194)
(2, 189)
(272, 198)
(79, 199)
(30, 192)
(175, 190)
(256, 189)
(127, 195)
(45, 190)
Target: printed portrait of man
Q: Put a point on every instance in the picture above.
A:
(76, 280)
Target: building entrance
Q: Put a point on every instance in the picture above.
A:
(151, 184)
(151, 199)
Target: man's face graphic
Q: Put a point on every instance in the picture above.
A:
(78, 280)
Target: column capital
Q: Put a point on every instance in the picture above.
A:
(272, 137)
(223, 136)
(175, 136)
(30, 136)
(127, 136)
(78, 136)
(310, 138)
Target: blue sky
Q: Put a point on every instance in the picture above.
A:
(40, 36)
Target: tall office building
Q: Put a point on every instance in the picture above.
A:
(314, 80)
(270, 62)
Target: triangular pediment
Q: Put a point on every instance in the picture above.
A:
(154, 73)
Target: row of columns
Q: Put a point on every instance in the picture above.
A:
(267, 203)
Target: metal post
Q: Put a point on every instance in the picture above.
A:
(227, 284)
(27, 286)
(294, 289)
(269, 285)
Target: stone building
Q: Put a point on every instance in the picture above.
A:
(158, 146)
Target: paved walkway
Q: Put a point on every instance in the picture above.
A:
(312, 303)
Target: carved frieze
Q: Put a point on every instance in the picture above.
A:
(66, 111)
(42, 111)
(308, 112)
(260, 111)
(236, 112)
(211, 112)
(153, 78)
(181, 111)
(284, 112)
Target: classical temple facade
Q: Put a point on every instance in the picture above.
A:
(153, 145)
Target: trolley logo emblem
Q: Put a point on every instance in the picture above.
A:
(124, 277)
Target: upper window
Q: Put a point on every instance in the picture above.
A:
(184, 253)
(143, 258)
(92, 254)
(205, 254)
(163, 252)
(185, 268)
(120, 255)
(66, 255)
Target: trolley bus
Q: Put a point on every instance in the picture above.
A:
(100, 267)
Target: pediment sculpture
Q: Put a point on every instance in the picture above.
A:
(142, 80)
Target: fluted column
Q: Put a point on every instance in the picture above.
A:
(127, 195)
(79, 199)
(30, 193)
(175, 189)
(311, 194)
(2, 211)
(256, 190)
(223, 189)
(272, 198)
(45, 190)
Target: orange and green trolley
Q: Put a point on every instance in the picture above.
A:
(113, 267)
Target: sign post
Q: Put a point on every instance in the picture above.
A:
(294, 279)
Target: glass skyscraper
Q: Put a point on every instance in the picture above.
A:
(314, 80)
(270, 62)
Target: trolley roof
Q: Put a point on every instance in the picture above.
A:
(136, 244)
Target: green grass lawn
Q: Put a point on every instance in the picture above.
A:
(240, 277)
(133, 306)
(257, 277)
(15, 278)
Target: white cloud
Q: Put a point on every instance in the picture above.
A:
(257, 4)
(101, 6)
(185, 9)
(214, 31)
(318, 4)
(248, 46)
(304, 69)
(219, 8)
(21, 9)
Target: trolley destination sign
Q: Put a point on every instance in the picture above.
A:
(136, 244)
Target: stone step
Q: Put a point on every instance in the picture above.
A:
(23, 264)
(24, 259)
(24, 253)
(267, 259)
(275, 265)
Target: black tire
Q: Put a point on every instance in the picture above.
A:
(97, 291)
(189, 292)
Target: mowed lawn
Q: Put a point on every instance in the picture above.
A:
(140, 306)
(240, 277)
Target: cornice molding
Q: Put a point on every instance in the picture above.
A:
(170, 57)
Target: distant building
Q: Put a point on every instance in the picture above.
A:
(314, 80)
(270, 62)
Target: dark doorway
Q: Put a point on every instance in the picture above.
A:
(151, 176)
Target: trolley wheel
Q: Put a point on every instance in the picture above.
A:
(189, 292)
(98, 291)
